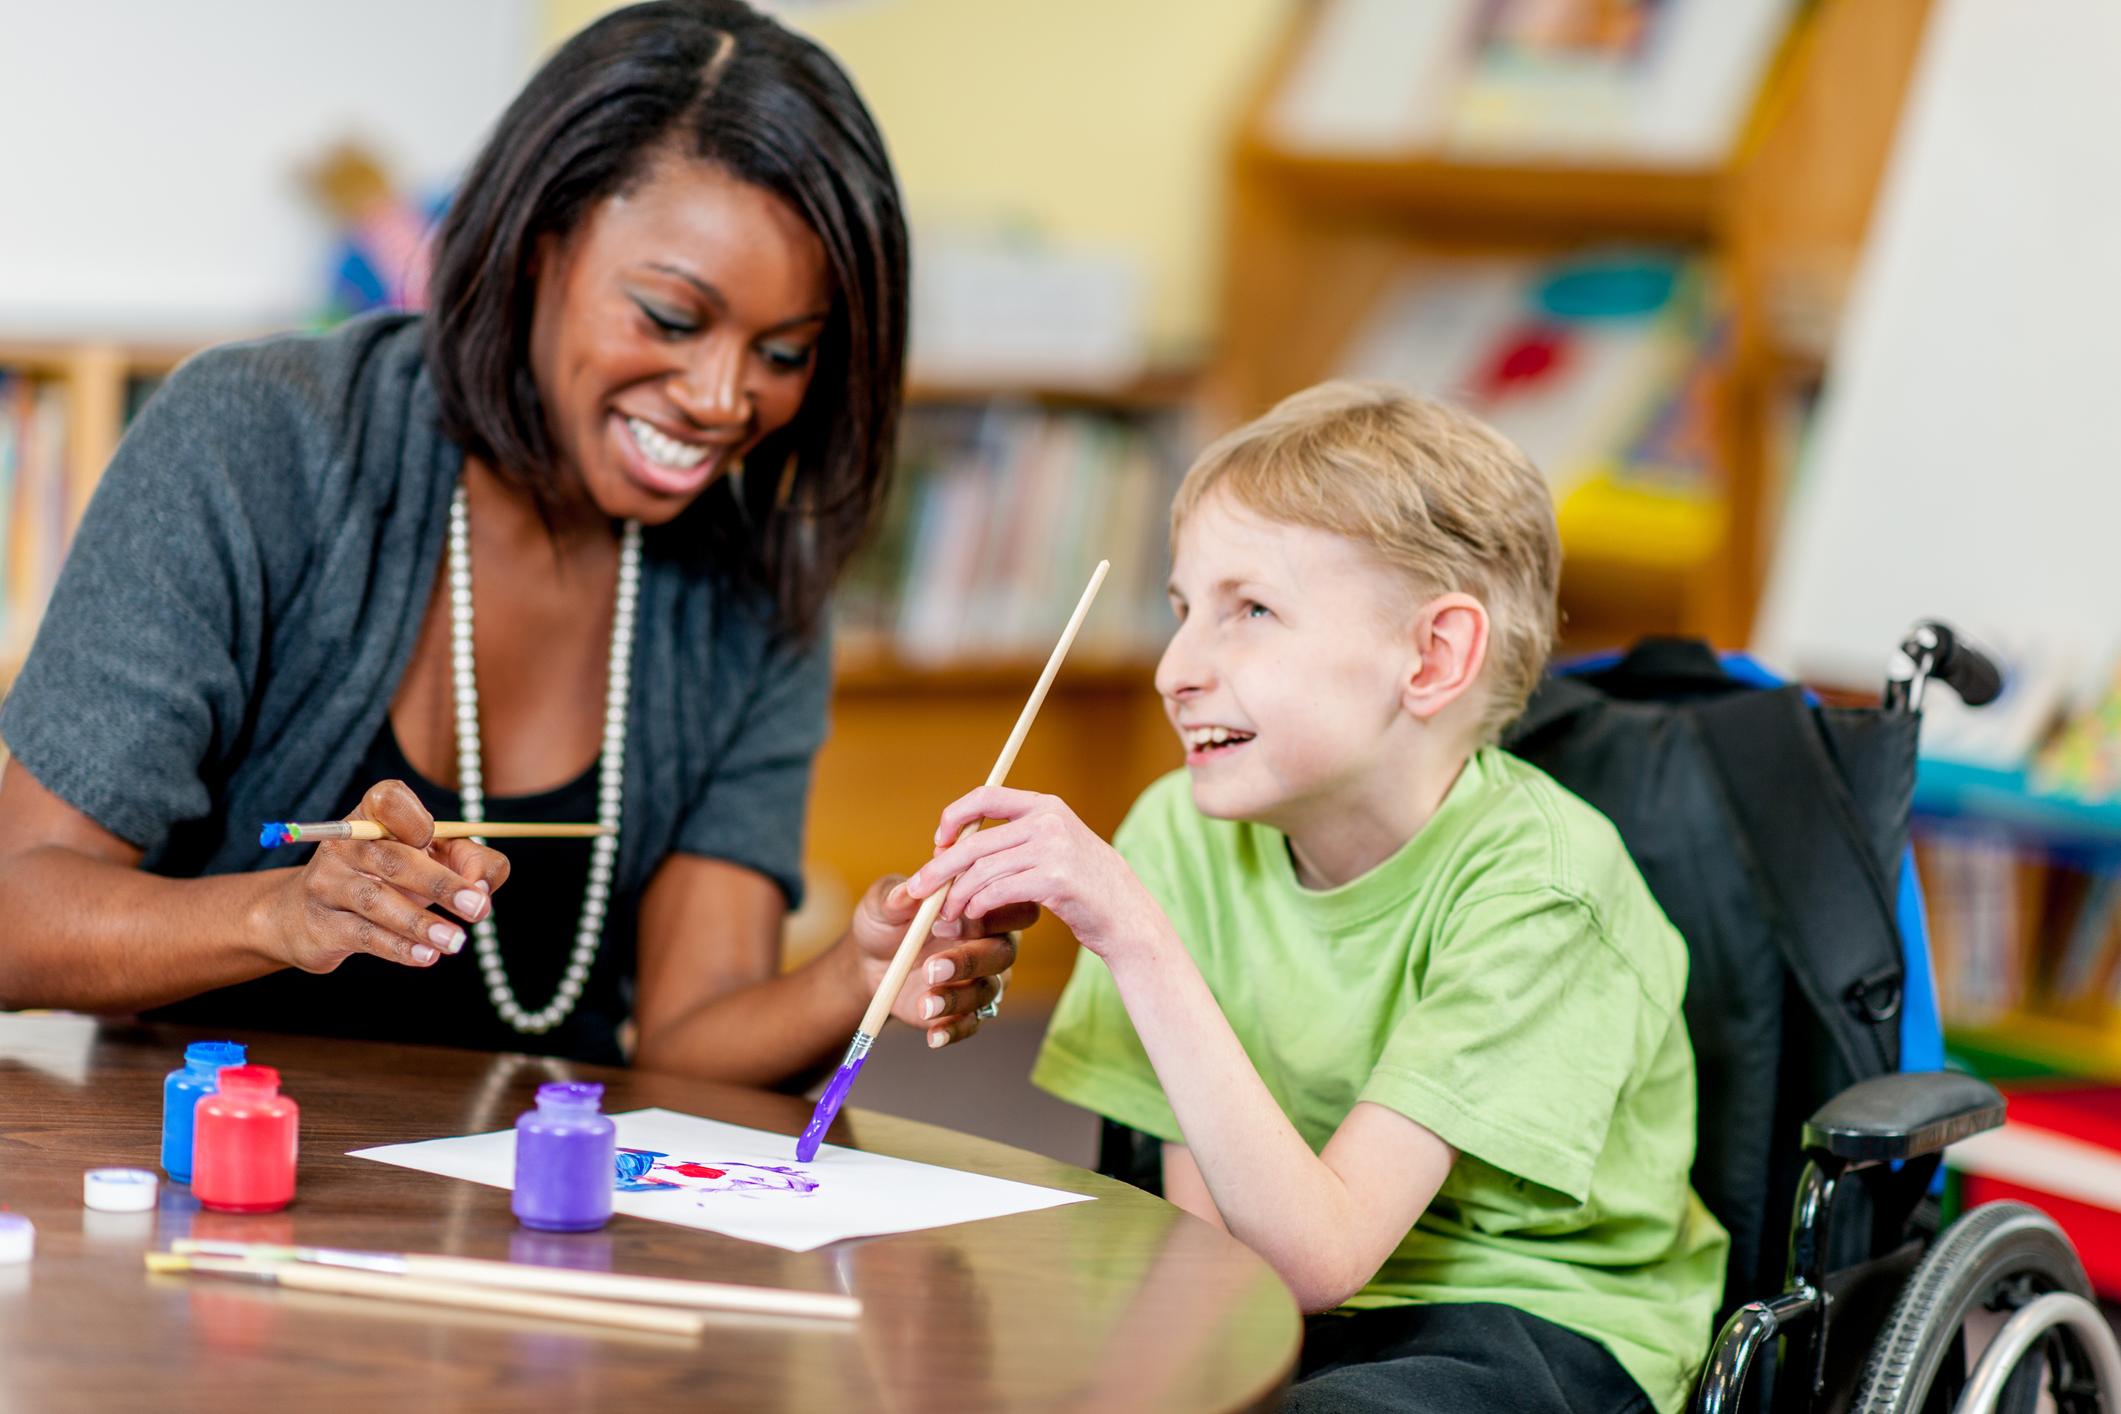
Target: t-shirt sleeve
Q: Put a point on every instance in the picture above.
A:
(137, 687)
(751, 811)
(1091, 1056)
(1528, 1026)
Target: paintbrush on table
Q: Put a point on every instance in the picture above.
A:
(521, 1276)
(423, 1291)
(279, 832)
(909, 947)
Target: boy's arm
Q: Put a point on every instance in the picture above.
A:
(1184, 1186)
(1325, 1221)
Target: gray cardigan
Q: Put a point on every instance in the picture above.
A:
(246, 588)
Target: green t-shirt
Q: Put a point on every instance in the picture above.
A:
(1507, 981)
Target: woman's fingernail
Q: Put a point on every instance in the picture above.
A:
(931, 1008)
(447, 936)
(942, 969)
(423, 954)
(938, 1039)
(469, 902)
(947, 928)
(484, 887)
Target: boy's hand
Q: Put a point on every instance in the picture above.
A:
(1040, 853)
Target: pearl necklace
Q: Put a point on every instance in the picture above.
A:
(610, 771)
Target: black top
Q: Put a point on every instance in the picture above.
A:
(535, 915)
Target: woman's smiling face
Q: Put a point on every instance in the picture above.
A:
(675, 328)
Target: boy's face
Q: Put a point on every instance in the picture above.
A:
(1293, 646)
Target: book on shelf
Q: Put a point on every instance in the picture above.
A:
(998, 515)
(1981, 932)
(1599, 365)
(1637, 82)
(35, 509)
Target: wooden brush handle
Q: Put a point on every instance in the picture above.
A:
(516, 830)
(613, 1286)
(488, 1298)
(909, 946)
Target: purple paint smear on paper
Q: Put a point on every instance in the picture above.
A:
(650, 1171)
(828, 1108)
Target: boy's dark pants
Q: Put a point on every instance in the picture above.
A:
(1487, 1358)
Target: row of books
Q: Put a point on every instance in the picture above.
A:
(1982, 895)
(2015, 928)
(998, 517)
(36, 514)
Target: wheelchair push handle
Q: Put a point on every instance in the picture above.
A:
(1932, 650)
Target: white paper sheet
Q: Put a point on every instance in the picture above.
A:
(745, 1182)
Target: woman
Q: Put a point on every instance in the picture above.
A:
(559, 551)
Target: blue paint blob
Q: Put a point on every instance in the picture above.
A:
(632, 1167)
(275, 833)
(828, 1109)
(182, 1090)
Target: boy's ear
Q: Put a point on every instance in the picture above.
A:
(1450, 641)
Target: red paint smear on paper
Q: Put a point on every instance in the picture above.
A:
(695, 1170)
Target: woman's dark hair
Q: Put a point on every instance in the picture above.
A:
(715, 81)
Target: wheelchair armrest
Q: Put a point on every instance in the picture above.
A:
(1903, 1116)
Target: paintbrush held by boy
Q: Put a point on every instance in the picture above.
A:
(1400, 1009)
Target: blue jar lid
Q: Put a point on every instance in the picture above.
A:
(215, 1053)
(573, 1094)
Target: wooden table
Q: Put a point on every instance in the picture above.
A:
(1122, 1302)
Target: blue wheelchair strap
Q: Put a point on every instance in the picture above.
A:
(1921, 1029)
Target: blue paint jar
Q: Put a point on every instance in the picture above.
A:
(566, 1156)
(181, 1091)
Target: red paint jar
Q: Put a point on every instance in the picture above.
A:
(243, 1143)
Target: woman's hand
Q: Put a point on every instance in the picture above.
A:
(962, 967)
(1039, 853)
(372, 895)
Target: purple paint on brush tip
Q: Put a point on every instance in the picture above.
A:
(828, 1108)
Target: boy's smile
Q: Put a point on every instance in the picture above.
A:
(1285, 674)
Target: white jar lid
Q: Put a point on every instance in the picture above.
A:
(18, 1238)
(119, 1190)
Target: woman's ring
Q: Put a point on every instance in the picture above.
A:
(994, 1008)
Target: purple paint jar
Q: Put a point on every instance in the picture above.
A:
(565, 1156)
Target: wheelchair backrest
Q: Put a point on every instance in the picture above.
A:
(1772, 831)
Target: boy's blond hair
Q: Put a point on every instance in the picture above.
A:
(1434, 492)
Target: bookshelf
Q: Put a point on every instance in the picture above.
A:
(909, 732)
(2022, 881)
(1316, 239)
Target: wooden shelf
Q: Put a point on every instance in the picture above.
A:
(63, 358)
(1516, 201)
(864, 673)
(1951, 790)
(1158, 390)
(2038, 1043)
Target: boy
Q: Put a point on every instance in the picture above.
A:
(1402, 1010)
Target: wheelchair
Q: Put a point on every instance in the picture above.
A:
(1813, 1018)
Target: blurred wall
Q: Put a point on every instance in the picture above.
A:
(1099, 121)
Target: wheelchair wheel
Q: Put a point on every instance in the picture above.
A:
(1997, 1257)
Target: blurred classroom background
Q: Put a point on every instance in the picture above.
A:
(1799, 303)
